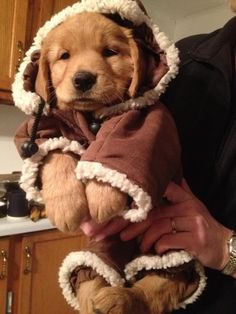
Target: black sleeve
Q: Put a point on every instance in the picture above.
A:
(198, 103)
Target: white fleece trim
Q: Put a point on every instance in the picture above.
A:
(85, 258)
(128, 9)
(168, 260)
(201, 286)
(31, 165)
(87, 170)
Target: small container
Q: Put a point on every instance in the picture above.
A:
(3, 208)
(18, 208)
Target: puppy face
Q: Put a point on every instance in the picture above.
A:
(89, 61)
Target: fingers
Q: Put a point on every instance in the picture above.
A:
(170, 211)
(164, 226)
(134, 230)
(156, 230)
(100, 231)
(91, 228)
(178, 194)
(181, 240)
(113, 227)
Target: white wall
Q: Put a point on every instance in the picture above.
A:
(202, 22)
(163, 19)
(10, 119)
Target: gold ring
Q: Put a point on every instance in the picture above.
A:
(173, 226)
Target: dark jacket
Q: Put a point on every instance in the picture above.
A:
(202, 100)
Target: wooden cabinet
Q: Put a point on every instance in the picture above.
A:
(4, 255)
(13, 18)
(19, 22)
(41, 11)
(31, 285)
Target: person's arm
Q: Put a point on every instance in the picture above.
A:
(195, 230)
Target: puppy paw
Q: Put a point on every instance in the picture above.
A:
(66, 210)
(86, 291)
(116, 300)
(104, 201)
(62, 192)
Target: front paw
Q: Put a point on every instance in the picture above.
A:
(104, 201)
(66, 209)
(63, 194)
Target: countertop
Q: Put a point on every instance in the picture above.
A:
(11, 227)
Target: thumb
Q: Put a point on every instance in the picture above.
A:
(177, 194)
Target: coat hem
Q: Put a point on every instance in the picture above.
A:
(168, 260)
(31, 165)
(85, 258)
(87, 170)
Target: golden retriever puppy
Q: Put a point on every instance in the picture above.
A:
(89, 68)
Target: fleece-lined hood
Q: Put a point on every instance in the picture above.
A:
(130, 10)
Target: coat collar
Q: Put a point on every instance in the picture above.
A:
(212, 49)
(210, 45)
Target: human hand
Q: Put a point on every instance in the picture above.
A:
(186, 224)
(100, 231)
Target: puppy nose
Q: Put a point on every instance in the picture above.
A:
(84, 80)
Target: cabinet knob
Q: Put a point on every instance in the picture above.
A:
(3, 273)
(20, 49)
(28, 260)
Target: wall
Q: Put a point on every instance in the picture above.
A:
(176, 28)
(202, 22)
(163, 19)
(10, 119)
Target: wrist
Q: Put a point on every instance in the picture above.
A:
(225, 249)
(234, 274)
(229, 261)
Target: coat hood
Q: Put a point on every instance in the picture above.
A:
(133, 11)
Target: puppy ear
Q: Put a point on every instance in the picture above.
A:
(157, 68)
(42, 83)
(150, 63)
(138, 65)
(149, 68)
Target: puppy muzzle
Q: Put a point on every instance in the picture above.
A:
(84, 81)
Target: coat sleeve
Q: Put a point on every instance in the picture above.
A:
(49, 137)
(47, 129)
(139, 153)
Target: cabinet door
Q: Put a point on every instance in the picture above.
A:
(13, 19)
(42, 255)
(4, 254)
(41, 11)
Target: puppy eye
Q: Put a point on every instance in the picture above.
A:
(64, 56)
(109, 52)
